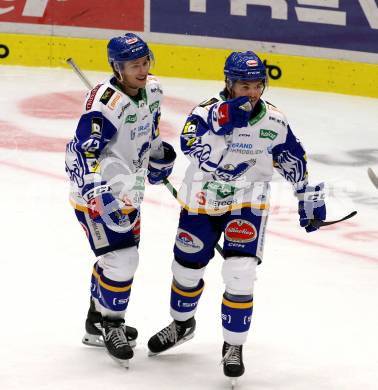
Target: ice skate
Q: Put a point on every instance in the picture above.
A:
(176, 333)
(116, 343)
(93, 330)
(232, 361)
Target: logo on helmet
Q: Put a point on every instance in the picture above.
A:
(130, 41)
(251, 63)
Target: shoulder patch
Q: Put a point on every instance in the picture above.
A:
(91, 97)
(105, 97)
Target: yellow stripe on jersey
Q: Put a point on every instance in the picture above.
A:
(187, 293)
(237, 305)
(108, 286)
(84, 209)
(222, 210)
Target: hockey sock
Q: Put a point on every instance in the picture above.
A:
(184, 301)
(236, 317)
(111, 294)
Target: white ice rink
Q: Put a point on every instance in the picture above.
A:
(315, 324)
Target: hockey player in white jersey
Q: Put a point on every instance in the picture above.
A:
(116, 145)
(233, 140)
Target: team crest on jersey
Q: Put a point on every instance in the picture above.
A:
(109, 92)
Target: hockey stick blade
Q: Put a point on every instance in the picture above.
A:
(317, 223)
(373, 177)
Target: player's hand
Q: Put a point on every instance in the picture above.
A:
(224, 117)
(160, 169)
(103, 207)
(311, 205)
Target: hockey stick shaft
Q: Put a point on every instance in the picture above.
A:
(373, 177)
(166, 182)
(78, 71)
(173, 191)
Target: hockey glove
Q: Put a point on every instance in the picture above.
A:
(103, 207)
(311, 206)
(160, 169)
(224, 117)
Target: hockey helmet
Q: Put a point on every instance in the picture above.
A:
(126, 48)
(245, 66)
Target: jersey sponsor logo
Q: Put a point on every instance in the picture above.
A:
(114, 101)
(92, 95)
(123, 110)
(132, 118)
(153, 106)
(187, 242)
(280, 121)
(240, 230)
(96, 124)
(270, 134)
(221, 190)
(105, 97)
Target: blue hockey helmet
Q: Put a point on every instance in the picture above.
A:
(245, 66)
(126, 48)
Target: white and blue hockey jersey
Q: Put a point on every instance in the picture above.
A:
(233, 171)
(113, 142)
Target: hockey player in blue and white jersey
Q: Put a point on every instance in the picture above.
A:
(116, 145)
(233, 140)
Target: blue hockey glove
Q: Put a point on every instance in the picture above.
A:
(224, 117)
(311, 205)
(160, 169)
(103, 207)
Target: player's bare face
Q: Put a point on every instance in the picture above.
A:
(134, 74)
(251, 89)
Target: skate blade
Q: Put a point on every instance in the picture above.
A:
(233, 382)
(98, 341)
(93, 340)
(122, 362)
(182, 341)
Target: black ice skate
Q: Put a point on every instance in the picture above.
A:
(172, 335)
(116, 343)
(93, 330)
(233, 366)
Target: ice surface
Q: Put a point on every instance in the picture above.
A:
(315, 322)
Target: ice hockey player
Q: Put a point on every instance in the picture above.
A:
(233, 140)
(116, 145)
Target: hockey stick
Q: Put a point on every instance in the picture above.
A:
(373, 177)
(166, 182)
(317, 223)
